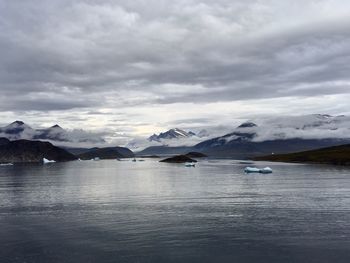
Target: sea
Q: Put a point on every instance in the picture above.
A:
(147, 211)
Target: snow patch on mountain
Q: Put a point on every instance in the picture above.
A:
(173, 138)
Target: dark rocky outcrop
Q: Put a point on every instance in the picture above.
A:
(4, 141)
(106, 153)
(179, 159)
(25, 151)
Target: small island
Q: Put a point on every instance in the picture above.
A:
(106, 153)
(179, 159)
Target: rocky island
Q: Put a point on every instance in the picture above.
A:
(106, 153)
(179, 159)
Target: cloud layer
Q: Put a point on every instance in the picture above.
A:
(137, 67)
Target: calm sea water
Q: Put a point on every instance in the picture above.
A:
(110, 211)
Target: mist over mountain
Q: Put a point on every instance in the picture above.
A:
(57, 135)
(314, 126)
(174, 137)
(277, 134)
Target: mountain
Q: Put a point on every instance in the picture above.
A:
(20, 151)
(17, 130)
(4, 141)
(171, 134)
(338, 155)
(241, 149)
(106, 153)
(283, 134)
(55, 134)
(280, 135)
(171, 138)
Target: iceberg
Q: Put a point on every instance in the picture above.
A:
(190, 164)
(6, 164)
(45, 161)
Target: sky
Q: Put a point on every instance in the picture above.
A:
(134, 68)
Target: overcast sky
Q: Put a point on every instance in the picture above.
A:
(138, 67)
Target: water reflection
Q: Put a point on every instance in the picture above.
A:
(111, 211)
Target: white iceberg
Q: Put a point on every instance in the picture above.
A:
(6, 164)
(45, 161)
(190, 164)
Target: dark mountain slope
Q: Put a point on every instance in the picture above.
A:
(32, 151)
(338, 155)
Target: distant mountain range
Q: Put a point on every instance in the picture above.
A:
(55, 134)
(272, 135)
(251, 138)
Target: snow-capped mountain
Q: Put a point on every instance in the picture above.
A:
(171, 134)
(172, 138)
(55, 134)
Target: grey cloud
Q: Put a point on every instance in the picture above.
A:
(63, 55)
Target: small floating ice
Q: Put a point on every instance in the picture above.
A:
(45, 161)
(6, 164)
(266, 170)
(190, 164)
